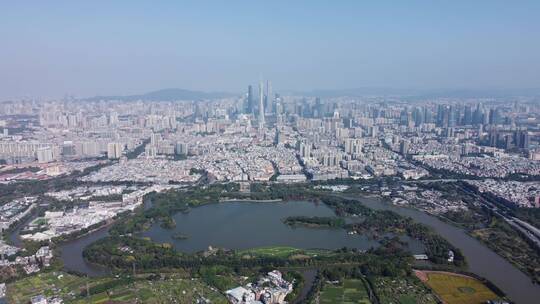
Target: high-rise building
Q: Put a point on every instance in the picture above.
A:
(250, 101)
(113, 118)
(404, 147)
(418, 116)
(404, 118)
(525, 140)
(521, 139)
(304, 149)
(508, 141)
(493, 138)
(374, 131)
(428, 115)
(155, 138)
(440, 115)
(150, 151)
(495, 117)
(467, 116)
(181, 148)
(68, 149)
(44, 155)
(90, 148)
(478, 115)
(452, 120)
(114, 150)
(261, 106)
(269, 97)
(353, 145)
(319, 108)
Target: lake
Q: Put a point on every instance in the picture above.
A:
(243, 225)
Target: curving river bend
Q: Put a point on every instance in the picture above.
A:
(482, 261)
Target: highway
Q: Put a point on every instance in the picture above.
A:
(528, 230)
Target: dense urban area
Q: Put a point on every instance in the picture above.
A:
(110, 176)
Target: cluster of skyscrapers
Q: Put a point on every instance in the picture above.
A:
(263, 105)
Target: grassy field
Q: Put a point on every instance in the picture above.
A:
(275, 251)
(281, 252)
(454, 288)
(350, 291)
(68, 287)
(402, 290)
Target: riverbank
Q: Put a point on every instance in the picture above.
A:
(73, 260)
(230, 200)
(482, 261)
(506, 276)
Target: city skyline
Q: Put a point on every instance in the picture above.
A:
(270, 152)
(141, 168)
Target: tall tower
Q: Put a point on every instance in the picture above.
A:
(261, 106)
(269, 97)
(250, 107)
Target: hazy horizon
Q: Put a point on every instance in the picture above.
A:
(56, 48)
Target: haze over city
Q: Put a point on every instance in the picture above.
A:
(58, 48)
(270, 152)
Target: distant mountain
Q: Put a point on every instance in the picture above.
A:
(356, 92)
(421, 93)
(166, 95)
(181, 94)
(482, 93)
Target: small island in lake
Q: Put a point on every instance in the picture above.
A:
(315, 221)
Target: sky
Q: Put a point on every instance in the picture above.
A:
(85, 48)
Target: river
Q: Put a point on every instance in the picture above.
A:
(71, 251)
(482, 260)
(72, 254)
(218, 225)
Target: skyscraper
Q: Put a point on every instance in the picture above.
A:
(261, 106)
(269, 97)
(452, 121)
(404, 147)
(521, 139)
(404, 118)
(304, 149)
(319, 108)
(467, 116)
(494, 116)
(478, 115)
(114, 150)
(250, 101)
(418, 116)
(44, 155)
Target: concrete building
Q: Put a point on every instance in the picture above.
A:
(44, 155)
(114, 150)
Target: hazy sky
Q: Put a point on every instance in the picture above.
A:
(52, 48)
